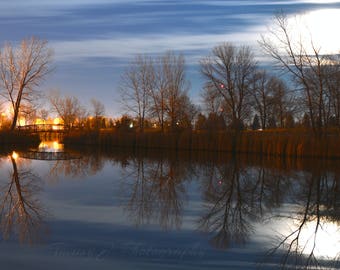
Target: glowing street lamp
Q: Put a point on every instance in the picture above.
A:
(15, 155)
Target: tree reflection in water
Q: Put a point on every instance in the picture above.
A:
(21, 212)
(75, 168)
(309, 241)
(228, 215)
(236, 196)
(156, 192)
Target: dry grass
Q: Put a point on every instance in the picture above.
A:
(282, 143)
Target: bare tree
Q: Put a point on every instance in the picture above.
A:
(158, 93)
(158, 89)
(136, 86)
(68, 108)
(282, 101)
(188, 112)
(228, 72)
(306, 63)
(333, 87)
(98, 111)
(177, 86)
(21, 70)
(269, 97)
(212, 100)
(261, 96)
(43, 114)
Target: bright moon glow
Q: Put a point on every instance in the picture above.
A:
(326, 239)
(321, 26)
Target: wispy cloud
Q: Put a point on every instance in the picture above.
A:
(125, 47)
(94, 40)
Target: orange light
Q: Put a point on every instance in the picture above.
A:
(57, 121)
(22, 122)
(39, 121)
(15, 155)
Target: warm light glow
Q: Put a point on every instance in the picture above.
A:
(321, 26)
(57, 127)
(39, 121)
(58, 146)
(57, 121)
(51, 146)
(22, 122)
(8, 111)
(15, 155)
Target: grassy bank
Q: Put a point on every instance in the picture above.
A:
(283, 143)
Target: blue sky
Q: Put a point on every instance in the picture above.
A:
(94, 40)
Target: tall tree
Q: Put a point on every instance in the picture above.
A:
(261, 97)
(228, 73)
(158, 93)
(68, 109)
(269, 97)
(176, 98)
(158, 88)
(98, 111)
(22, 69)
(303, 59)
(280, 104)
(135, 87)
(333, 87)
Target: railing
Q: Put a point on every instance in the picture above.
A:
(41, 155)
(42, 128)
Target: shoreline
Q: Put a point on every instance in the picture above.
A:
(278, 143)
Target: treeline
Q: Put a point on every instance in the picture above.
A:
(247, 109)
(238, 93)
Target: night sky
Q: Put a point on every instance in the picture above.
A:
(94, 40)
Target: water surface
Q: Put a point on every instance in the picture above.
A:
(119, 210)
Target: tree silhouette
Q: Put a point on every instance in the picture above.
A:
(21, 70)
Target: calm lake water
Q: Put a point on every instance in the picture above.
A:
(119, 210)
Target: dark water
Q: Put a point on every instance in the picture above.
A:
(120, 210)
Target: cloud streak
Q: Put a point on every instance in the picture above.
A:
(125, 47)
(94, 40)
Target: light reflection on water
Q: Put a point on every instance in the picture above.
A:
(50, 146)
(208, 212)
(324, 238)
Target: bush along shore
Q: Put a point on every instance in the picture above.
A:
(16, 139)
(283, 143)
